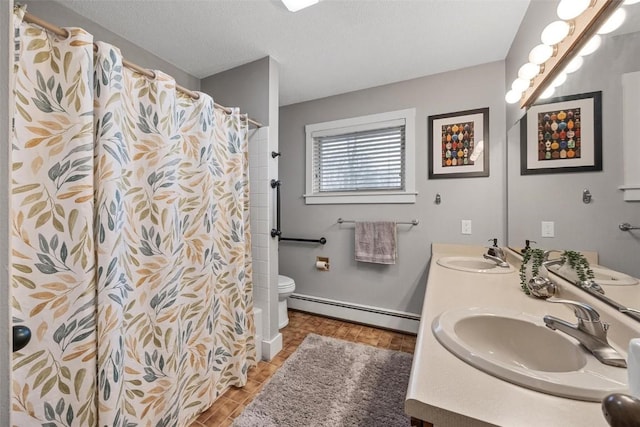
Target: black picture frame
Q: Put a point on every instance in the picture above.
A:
(562, 135)
(459, 144)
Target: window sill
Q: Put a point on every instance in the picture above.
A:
(359, 198)
(631, 192)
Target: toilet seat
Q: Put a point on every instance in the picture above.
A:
(285, 284)
(286, 287)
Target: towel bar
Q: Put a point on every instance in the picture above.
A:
(412, 222)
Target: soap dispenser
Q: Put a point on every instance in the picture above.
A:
(496, 254)
(495, 250)
(527, 245)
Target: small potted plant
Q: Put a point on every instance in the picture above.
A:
(531, 267)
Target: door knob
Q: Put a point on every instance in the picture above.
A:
(21, 337)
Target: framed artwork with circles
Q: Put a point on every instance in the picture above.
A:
(562, 135)
(459, 144)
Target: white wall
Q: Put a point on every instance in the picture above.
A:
(399, 287)
(6, 50)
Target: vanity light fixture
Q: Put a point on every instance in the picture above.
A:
(569, 9)
(614, 22)
(520, 85)
(528, 71)
(592, 45)
(513, 96)
(559, 81)
(540, 54)
(580, 21)
(296, 5)
(574, 65)
(555, 32)
(548, 92)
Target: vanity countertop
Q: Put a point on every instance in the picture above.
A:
(446, 391)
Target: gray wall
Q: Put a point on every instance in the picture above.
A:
(6, 50)
(558, 197)
(246, 86)
(62, 16)
(401, 286)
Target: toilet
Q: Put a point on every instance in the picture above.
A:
(286, 286)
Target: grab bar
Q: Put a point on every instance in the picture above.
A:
(627, 227)
(277, 232)
(321, 240)
(412, 222)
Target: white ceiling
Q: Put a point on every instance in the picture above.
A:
(333, 47)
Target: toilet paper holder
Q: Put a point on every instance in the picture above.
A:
(322, 263)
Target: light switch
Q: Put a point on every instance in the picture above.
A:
(548, 229)
(465, 226)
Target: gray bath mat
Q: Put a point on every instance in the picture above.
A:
(331, 382)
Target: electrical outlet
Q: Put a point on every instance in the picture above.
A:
(465, 226)
(548, 229)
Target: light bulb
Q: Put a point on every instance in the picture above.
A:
(513, 96)
(296, 5)
(591, 46)
(558, 81)
(547, 93)
(540, 54)
(569, 9)
(555, 32)
(528, 71)
(574, 65)
(614, 22)
(520, 85)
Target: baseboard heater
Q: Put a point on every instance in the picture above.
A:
(375, 316)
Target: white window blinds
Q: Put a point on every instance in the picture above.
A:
(363, 160)
(366, 159)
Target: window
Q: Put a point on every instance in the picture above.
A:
(362, 160)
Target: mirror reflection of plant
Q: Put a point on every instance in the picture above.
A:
(536, 256)
(579, 264)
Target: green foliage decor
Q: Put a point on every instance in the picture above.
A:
(536, 256)
(579, 264)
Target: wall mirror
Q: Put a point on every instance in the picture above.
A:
(557, 198)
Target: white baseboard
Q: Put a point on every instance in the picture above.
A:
(270, 348)
(375, 316)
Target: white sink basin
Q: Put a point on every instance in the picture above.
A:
(473, 264)
(518, 348)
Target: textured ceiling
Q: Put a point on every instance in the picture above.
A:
(333, 47)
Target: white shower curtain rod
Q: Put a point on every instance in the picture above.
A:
(32, 19)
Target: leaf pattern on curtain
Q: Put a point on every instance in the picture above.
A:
(138, 291)
(52, 247)
(175, 323)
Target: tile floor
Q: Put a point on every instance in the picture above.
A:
(230, 405)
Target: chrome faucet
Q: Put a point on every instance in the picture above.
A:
(546, 262)
(590, 331)
(496, 254)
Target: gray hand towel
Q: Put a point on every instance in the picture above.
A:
(376, 242)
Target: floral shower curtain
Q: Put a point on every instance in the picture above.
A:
(144, 204)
